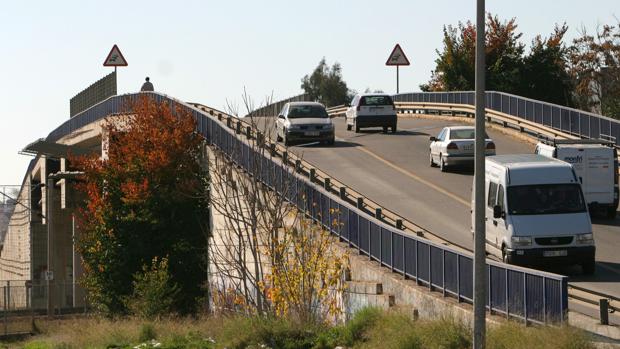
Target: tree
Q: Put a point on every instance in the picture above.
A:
(325, 84)
(540, 74)
(595, 69)
(545, 74)
(146, 198)
(455, 65)
(266, 257)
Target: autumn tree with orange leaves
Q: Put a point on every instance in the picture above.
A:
(146, 199)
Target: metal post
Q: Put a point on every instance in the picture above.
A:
(49, 186)
(6, 312)
(604, 310)
(479, 212)
(397, 82)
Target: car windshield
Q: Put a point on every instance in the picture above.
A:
(464, 134)
(376, 100)
(545, 199)
(307, 111)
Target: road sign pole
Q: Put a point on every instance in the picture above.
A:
(480, 278)
(397, 82)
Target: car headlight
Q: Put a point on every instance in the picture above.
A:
(585, 238)
(521, 240)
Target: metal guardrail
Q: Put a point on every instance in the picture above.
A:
(567, 120)
(526, 294)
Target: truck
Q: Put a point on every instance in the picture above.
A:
(536, 213)
(596, 163)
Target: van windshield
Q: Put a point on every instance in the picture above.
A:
(545, 199)
(307, 111)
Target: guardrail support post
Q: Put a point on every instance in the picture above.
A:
(604, 310)
(285, 157)
(248, 132)
(343, 193)
(219, 116)
(327, 184)
(238, 130)
(360, 203)
(399, 224)
(297, 166)
(378, 214)
(312, 175)
(228, 122)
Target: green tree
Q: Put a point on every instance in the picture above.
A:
(541, 74)
(545, 74)
(325, 84)
(455, 66)
(146, 199)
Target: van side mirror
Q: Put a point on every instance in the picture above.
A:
(497, 212)
(433, 139)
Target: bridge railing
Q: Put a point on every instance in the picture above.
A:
(568, 120)
(526, 294)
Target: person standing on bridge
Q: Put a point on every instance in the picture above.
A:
(147, 86)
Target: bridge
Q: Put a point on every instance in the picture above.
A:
(395, 209)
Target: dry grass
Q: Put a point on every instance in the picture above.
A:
(371, 328)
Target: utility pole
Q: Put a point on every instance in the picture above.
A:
(479, 213)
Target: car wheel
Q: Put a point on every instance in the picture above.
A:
(394, 128)
(430, 156)
(357, 127)
(505, 257)
(332, 141)
(442, 164)
(611, 212)
(385, 129)
(589, 267)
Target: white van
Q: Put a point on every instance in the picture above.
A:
(596, 165)
(536, 213)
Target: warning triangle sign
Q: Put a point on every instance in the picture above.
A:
(115, 58)
(397, 57)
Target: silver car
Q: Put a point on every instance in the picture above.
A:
(454, 145)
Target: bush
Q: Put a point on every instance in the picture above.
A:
(154, 293)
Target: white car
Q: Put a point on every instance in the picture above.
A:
(371, 110)
(455, 146)
(304, 121)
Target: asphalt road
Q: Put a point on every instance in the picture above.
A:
(393, 170)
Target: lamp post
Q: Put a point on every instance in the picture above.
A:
(479, 213)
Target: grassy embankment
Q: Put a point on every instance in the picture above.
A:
(370, 328)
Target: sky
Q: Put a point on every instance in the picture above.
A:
(209, 51)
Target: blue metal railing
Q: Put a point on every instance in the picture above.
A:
(568, 120)
(526, 294)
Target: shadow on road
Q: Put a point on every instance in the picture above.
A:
(605, 272)
(337, 144)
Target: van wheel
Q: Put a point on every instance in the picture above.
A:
(611, 212)
(394, 128)
(357, 127)
(442, 164)
(589, 267)
(385, 129)
(431, 162)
